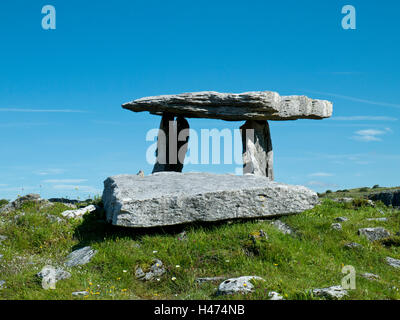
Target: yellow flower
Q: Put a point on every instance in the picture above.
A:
(90, 284)
(97, 293)
(124, 290)
(119, 278)
(244, 284)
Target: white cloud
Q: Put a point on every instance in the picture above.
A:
(78, 188)
(46, 172)
(321, 174)
(322, 184)
(369, 135)
(64, 180)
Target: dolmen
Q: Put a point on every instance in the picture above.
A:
(170, 197)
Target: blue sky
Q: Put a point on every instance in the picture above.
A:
(63, 131)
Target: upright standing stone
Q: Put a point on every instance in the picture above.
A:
(257, 148)
(162, 152)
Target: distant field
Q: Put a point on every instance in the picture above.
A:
(362, 192)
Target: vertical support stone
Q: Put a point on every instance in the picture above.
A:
(257, 148)
(172, 143)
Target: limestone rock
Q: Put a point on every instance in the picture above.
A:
(2, 284)
(237, 285)
(79, 212)
(156, 270)
(283, 227)
(334, 292)
(80, 293)
(377, 219)
(51, 275)
(80, 257)
(274, 296)
(170, 198)
(17, 204)
(393, 262)
(389, 198)
(259, 105)
(336, 226)
(373, 234)
(370, 276)
(353, 245)
(341, 219)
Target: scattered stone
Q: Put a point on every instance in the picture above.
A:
(1, 257)
(377, 219)
(341, 219)
(2, 284)
(78, 212)
(156, 270)
(334, 292)
(381, 211)
(17, 204)
(275, 296)
(336, 226)
(393, 262)
(373, 234)
(209, 279)
(80, 256)
(3, 238)
(370, 276)
(353, 245)
(171, 198)
(283, 227)
(54, 218)
(80, 293)
(389, 198)
(237, 285)
(261, 105)
(51, 275)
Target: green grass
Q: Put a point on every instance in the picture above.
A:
(362, 192)
(290, 265)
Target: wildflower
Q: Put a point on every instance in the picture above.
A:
(173, 278)
(226, 260)
(90, 284)
(124, 290)
(155, 251)
(275, 264)
(124, 271)
(97, 293)
(158, 279)
(177, 266)
(119, 278)
(244, 284)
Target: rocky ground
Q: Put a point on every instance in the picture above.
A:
(65, 250)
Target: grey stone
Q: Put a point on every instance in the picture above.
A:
(389, 198)
(18, 203)
(2, 284)
(257, 149)
(156, 270)
(54, 218)
(373, 234)
(80, 256)
(353, 245)
(80, 293)
(283, 227)
(237, 285)
(140, 173)
(334, 292)
(393, 262)
(51, 275)
(1, 257)
(377, 219)
(182, 236)
(274, 296)
(341, 219)
(78, 212)
(260, 105)
(3, 238)
(209, 279)
(370, 276)
(336, 226)
(170, 198)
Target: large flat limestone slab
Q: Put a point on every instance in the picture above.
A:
(170, 198)
(257, 105)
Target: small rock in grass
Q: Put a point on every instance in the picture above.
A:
(209, 279)
(336, 226)
(353, 245)
(182, 236)
(2, 238)
(334, 292)
(51, 275)
(237, 285)
(377, 219)
(283, 227)
(369, 276)
(275, 296)
(79, 212)
(341, 219)
(1, 257)
(2, 284)
(373, 234)
(80, 293)
(393, 262)
(156, 270)
(140, 173)
(80, 256)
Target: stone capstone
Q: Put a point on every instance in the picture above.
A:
(257, 105)
(171, 198)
